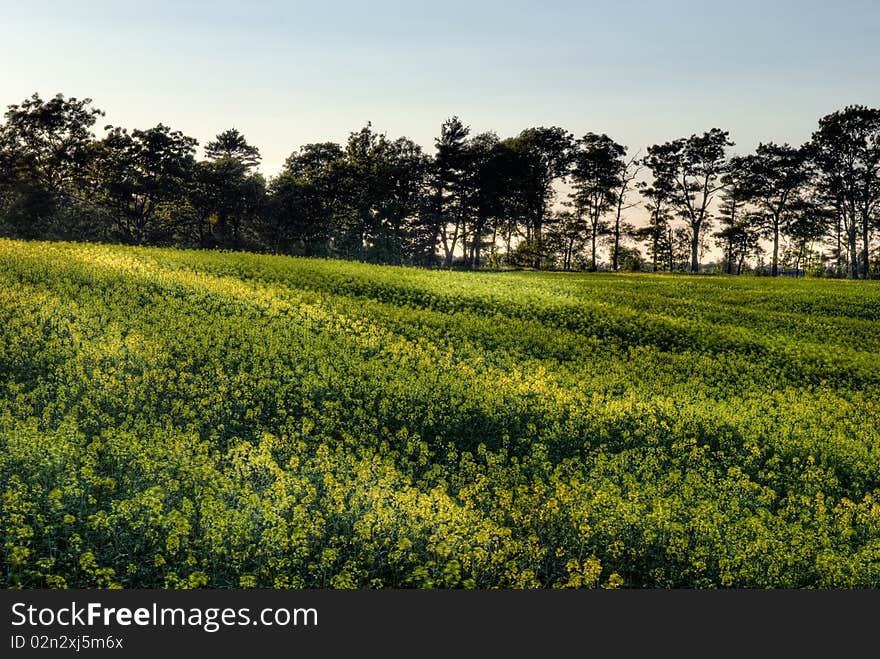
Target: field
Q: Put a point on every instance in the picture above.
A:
(177, 419)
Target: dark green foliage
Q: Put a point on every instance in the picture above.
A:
(143, 178)
(688, 171)
(479, 201)
(846, 152)
(45, 150)
(598, 168)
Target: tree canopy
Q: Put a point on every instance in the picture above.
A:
(477, 201)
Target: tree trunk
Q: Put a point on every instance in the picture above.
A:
(616, 247)
(593, 249)
(774, 267)
(851, 238)
(537, 244)
(654, 252)
(695, 248)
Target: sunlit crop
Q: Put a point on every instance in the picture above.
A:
(176, 419)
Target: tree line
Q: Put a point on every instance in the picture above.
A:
(479, 201)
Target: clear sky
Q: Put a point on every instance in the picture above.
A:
(288, 73)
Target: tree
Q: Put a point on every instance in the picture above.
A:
(358, 173)
(44, 153)
(771, 178)
(680, 248)
(543, 156)
(227, 201)
(401, 233)
(630, 259)
(597, 178)
(486, 189)
(739, 239)
(658, 232)
(656, 235)
(449, 199)
(499, 181)
(568, 236)
(231, 145)
(231, 194)
(381, 193)
(143, 177)
(628, 173)
(691, 169)
(846, 150)
(304, 200)
(807, 221)
(736, 223)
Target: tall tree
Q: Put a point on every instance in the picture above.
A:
(771, 178)
(232, 145)
(485, 186)
(381, 188)
(358, 173)
(543, 156)
(741, 227)
(736, 222)
(570, 229)
(691, 169)
(597, 181)
(449, 199)
(44, 153)
(628, 174)
(401, 231)
(143, 176)
(658, 232)
(846, 149)
(231, 192)
(305, 201)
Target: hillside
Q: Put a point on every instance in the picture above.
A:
(193, 418)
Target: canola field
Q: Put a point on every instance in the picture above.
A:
(185, 419)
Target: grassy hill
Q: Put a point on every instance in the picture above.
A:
(186, 419)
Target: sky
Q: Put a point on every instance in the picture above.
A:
(290, 73)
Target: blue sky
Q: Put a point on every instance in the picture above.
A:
(288, 73)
